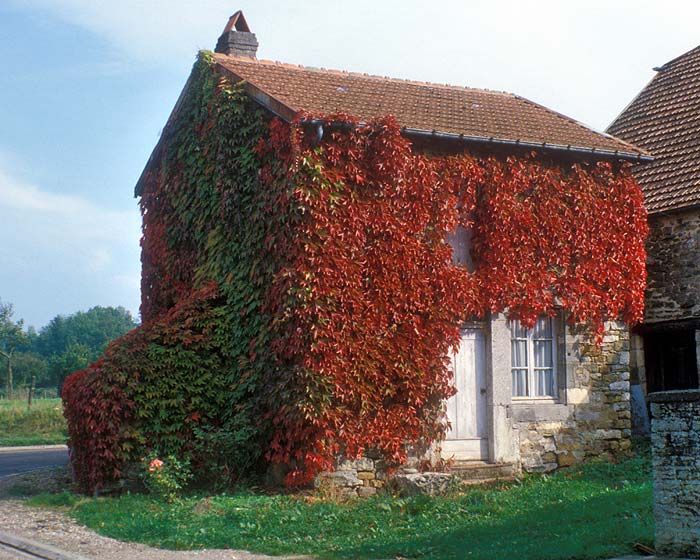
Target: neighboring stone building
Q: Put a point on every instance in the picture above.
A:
(665, 120)
(676, 452)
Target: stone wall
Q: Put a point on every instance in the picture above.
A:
(592, 417)
(675, 439)
(673, 266)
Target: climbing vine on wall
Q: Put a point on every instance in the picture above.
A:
(307, 293)
(382, 300)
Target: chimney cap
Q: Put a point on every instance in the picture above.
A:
(238, 21)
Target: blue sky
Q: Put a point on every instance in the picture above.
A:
(87, 85)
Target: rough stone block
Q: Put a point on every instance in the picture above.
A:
(621, 386)
(366, 491)
(429, 483)
(607, 434)
(566, 459)
(361, 464)
(338, 479)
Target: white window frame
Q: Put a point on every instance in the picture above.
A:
(531, 369)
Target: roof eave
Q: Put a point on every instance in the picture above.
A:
(268, 101)
(545, 146)
(668, 210)
(494, 141)
(155, 154)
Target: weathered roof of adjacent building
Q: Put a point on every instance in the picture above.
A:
(476, 115)
(665, 120)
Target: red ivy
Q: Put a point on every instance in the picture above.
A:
(373, 299)
(104, 402)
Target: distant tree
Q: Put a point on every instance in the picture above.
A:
(73, 358)
(30, 341)
(93, 329)
(26, 365)
(12, 337)
(71, 342)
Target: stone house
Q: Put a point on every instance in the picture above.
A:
(534, 398)
(663, 119)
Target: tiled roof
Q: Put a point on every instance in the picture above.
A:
(665, 120)
(474, 113)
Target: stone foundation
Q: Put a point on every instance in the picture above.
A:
(359, 478)
(593, 415)
(675, 439)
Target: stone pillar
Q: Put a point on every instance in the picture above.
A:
(675, 440)
(502, 448)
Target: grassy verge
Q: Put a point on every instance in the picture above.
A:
(595, 511)
(41, 424)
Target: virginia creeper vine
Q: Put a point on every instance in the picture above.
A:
(299, 301)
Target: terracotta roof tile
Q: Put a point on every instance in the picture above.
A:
(418, 105)
(665, 120)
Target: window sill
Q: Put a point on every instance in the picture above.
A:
(539, 410)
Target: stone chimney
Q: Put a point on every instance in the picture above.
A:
(237, 40)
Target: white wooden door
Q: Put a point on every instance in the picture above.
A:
(466, 410)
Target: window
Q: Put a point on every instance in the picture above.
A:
(670, 358)
(533, 359)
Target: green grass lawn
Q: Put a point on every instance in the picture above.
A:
(41, 424)
(596, 511)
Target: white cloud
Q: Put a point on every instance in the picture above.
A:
(65, 217)
(61, 253)
(98, 259)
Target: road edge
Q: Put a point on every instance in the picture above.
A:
(19, 448)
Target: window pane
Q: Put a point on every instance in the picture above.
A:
(543, 353)
(544, 383)
(520, 383)
(518, 353)
(517, 330)
(543, 328)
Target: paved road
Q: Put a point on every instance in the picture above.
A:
(17, 461)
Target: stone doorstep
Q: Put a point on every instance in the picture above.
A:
(34, 549)
(478, 471)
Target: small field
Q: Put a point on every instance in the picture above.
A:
(41, 424)
(596, 511)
